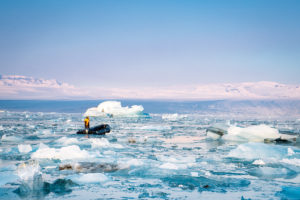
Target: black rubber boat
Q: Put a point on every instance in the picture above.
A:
(96, 130)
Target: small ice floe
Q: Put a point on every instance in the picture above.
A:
(259, 162)
(179, 160)
(11, 138)
(27, 170)
(134, 162)
(130, 163)
(168, 166)
(90, 178)
(195, 174)
(256, 133)
(290, 152)
(64, 153)
(99, 142)
(154, 128)
(24, 148)
(261, 151)
(67, 141)
(293, 161)
(173, 117)
(31, 176)
(114, 108)
(46, 132)
(252, 133)
(271, 172)
(176, 163)
(32, 184)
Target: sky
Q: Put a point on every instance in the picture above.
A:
(151, 43)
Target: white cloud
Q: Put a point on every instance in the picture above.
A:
(22, 87)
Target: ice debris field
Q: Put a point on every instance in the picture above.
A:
(146, 156)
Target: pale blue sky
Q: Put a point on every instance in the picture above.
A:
(151, 43)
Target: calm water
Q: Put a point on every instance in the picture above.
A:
(162, 155)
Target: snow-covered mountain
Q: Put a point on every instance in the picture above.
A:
(22, 87)
(231, 91)
(24, 81)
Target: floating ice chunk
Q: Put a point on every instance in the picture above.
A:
(180, 160)
(46, 132)
(65, 153)
(43, 146)
(135, 162)
(251, 151)
(114, 108)
(125, 164)
(173, 117)
(117, 146)
(258, 162)
(195, 174)
(31, 176)
(6, 138)
(293, 161)
(67, 141)
(168, 166)
(290, 152)
(99, 142)
(212, 135)
(154, 128)
(24, 148)
(26, 171)
(252, 133)
(89, 178)
(270, 172)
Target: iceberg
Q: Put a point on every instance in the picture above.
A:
(31, 177)
(255, 133)
(114, 108)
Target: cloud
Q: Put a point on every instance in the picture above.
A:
(22, 87)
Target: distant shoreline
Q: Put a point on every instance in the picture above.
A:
(284, 108)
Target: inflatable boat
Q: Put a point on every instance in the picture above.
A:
(96, 130)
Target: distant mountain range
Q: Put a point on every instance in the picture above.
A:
(23, 87)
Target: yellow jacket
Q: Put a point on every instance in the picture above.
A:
(87, 123)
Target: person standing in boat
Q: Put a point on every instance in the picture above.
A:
(87, 124)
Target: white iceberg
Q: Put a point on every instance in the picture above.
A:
(31, 176)
(252, 133)
(114, 108)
